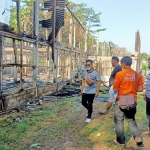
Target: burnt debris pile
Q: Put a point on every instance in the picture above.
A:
(69, 90)
(6, 28)
(9, 85)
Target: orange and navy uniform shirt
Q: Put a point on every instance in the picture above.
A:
(125, 82)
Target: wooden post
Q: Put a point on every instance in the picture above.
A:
(74, 37)
(46, 33)
(104, 48)
(50, 64)
(11, 68)
(1, 62)
(21, 42)
(78, 61)
(63, 65)
(86, 41)
(66, 64)
(70, 33)
(75, 61)
(54, 46)
(56, 66)
(18, 15)
(25, 60)
(60, 36)
(70, 65)
(47, 63)
(35, 45)
(21, 62)
(137, 50)
(25, 29)
(59, 64)
(15, 61)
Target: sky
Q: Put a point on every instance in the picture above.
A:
(5, 7)
(122, 18)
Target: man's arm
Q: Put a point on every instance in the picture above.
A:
(98, 85)
(98, 88)
(140, 88)
(140, 84)
(115, 89)
(116, 83)
(115, 71)
(98, 78)
(83, 85)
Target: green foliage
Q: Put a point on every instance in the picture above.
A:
(93, 20)
(145, 67)
(144, 60)
(144, 56)
(26, 15)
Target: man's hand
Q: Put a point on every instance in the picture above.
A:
(105, 112)
(81, 93)
(97, 93)
(144, 98)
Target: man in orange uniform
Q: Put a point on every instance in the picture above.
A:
(125, 84)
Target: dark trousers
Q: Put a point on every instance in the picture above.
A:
(87, 102)
(148, 110)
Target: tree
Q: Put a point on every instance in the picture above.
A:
(144, 56)
(26, 15)
(93, 20)
(144, 61)
(88, 17)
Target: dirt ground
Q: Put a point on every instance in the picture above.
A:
(71, 140)
(67, 140)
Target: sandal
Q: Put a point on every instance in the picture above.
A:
(117, 143)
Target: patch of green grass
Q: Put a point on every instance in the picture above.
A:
(44, 124)
(141, 110)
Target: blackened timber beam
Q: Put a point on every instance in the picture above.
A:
(10, 35)
(18, 15)
(35, 45)
(15, 61)
(21, 62)
(54, 53)
(1, 61)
